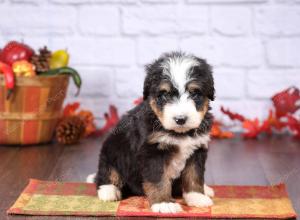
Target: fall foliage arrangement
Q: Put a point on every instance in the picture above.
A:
(281, 118)
(77, 123)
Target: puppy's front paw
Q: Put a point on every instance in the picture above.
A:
(109, 193)
(166, 207)
(197, 199)
(208, 191)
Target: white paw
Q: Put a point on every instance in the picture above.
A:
(90, 178)
(109, 193)
(197, 199)
(208, 191)
(166, 207)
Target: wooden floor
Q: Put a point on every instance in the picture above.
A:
(260, 162)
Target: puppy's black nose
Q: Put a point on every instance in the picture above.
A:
(180, 120)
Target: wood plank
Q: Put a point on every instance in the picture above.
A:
(77, 161)
(235, 162)
(283, 168)
(28, 162)
(7, 155)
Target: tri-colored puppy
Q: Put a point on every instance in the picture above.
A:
(159, 148)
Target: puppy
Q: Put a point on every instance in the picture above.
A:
(159, 148)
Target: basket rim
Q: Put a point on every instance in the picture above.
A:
(24, 116)
(38, 76)
(39, 81)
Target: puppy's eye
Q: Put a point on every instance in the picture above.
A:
(162, 94)
(196, 94)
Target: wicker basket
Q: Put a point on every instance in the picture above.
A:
(31, 114)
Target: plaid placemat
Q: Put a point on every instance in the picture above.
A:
(80, 199)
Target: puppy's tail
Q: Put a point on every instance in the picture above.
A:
(91, 178)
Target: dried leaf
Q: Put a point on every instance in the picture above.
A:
(89, 121)
(232, 115)
(111, 120)
(138, 101)
(287, 101)
(294, 125)
(70, 109)
(217, 132)
(271, 122)
(252, 128)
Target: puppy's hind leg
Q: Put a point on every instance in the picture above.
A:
(109, 192)
(91, 178)
(208, 191)
(109, 184)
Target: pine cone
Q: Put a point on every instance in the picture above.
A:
(70, 130)
(41, 61)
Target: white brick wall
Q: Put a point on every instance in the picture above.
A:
(253, 45)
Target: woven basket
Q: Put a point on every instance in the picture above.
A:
(31, 114)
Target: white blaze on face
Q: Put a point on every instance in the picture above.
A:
(178, 69)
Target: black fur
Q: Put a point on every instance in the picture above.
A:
(126, 148)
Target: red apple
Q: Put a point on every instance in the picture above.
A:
(14, 51)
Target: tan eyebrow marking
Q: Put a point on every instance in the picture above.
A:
(165, 86)
(192, 86)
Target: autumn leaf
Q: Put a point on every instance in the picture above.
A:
(271, 122)
(138, 101)
(71, 109)
(232, 115)
(287, 101)
(89, 121)
(252, 128)
(111, 120)
(294, 125)
(217, 132)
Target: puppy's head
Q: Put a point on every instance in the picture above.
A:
(178, 88)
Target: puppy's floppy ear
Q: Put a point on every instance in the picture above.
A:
(147, 85)
(205, 70)
(147, 82)
(210, 84)
(152, 76)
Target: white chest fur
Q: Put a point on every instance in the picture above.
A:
(187, 146)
